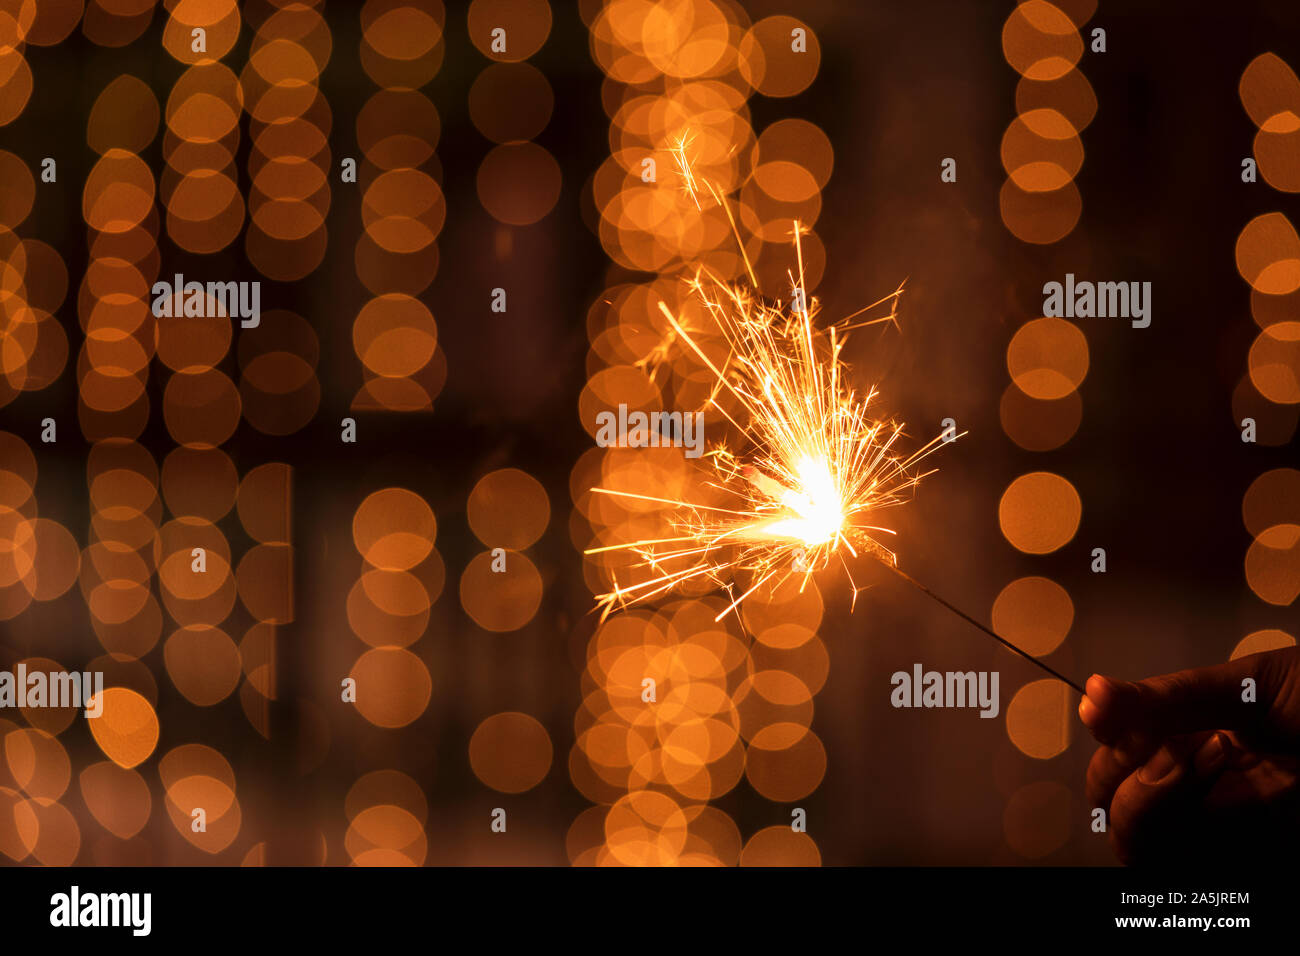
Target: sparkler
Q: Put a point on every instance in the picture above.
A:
(816, 467)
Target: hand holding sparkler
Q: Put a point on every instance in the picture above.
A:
(1189, 770)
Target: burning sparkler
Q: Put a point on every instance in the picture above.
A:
(816, 469)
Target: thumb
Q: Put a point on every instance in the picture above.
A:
(1258, 695)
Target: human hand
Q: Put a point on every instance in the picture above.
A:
(1189, 769)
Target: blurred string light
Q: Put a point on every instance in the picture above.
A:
(1268, 259)
(387, 813)
(1041, 409)
(121, 339)
(146, 520)
(732, 700)
(518, 182)
(289, 127)
(395, 336)
(401, 575)
(508, 509)
(394, 531)
(39, 558)
(1041, 149)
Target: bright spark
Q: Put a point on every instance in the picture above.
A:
(815, 467)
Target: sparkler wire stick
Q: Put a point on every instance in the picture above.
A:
(987, 630)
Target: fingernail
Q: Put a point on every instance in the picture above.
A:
(1101, 689)
(1090, 713)
(1160, 766)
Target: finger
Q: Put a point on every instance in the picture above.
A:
(1110, 767)
(1213, 753)
(1203, 698)
(1149, 805)
(1105, 774)
(1114, 713)
(1101, 708)
(1137, 747)
(1254, 783)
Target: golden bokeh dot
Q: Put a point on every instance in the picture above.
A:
(55, 559)
(1268, 84)
(386, 835)
(59, 841)
(1273, 564)
(1039, 512)
(1041, 150)
(787, 771)
(798, 141)
(645, 828)
(116, 797)
(1048, 358)
(395, 335)
(502, 600)
(49, 717)
(38, 763)
(390, 787)
(510, 102)
(391, 608)
(125, 116)
(510, 752)
(780, 846)
(523, 27)
(1041, 218)
(508, 508)
(216, 798)
(1274, 362)
(1257, 642)
(394, 529)
(779, 56)
(201, 482)
(1272, 498)
(393, 686)
(203, 662)
(263, 502)
(1038, 425)
(1034, 613)
(127, 730)
(1040, 41)
(1071, 94)
(19, 829)
(1039, 718)
(519, 183)
(54, 20)
(1268, 254)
